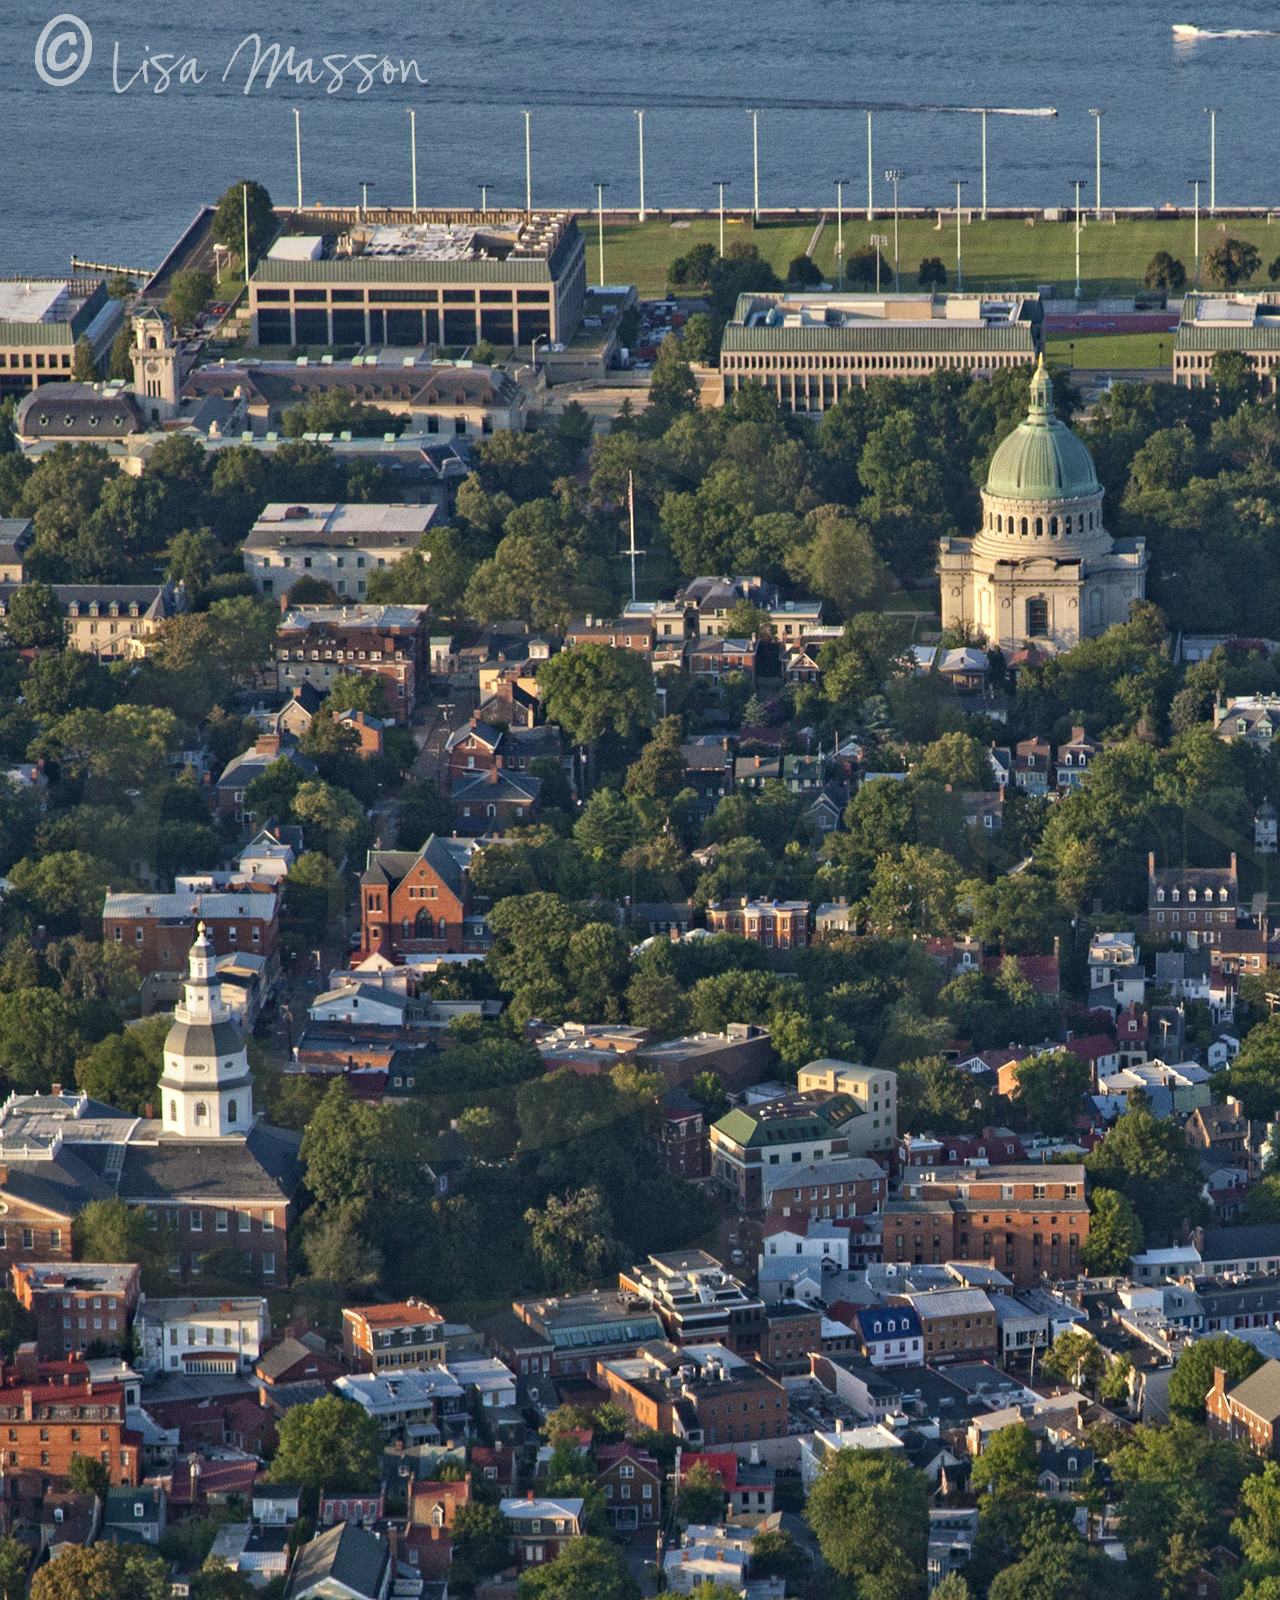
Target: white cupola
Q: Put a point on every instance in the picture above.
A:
(206, 1091)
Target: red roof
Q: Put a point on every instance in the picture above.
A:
(725, 1466)
(1093, 1047)
(1039, 971)
(609, 1455)
(214, 1477)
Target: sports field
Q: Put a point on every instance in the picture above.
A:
(997, 254)
(1098, 351)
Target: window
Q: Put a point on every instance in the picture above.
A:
(232, 1111)
(1037, 617)
(220, 1221)
(197, 1221)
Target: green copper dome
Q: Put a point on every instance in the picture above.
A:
(1041, 459)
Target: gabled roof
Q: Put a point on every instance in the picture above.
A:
(346, 1556)
(1260, 1392)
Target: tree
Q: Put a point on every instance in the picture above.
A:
(572, 1238)
(1008, 1463)
(932, 275)
(1050, 1088)
(701, 339)
(14, 1558)
(102, 1572)
(1049, 1572)
(1163, 272)
(1192, 1376)
(123, 1069)
(803, 273)
(228, 218)
(17, 1324)
(585, 1569)
(86, 366)
(218, 1581)
(1151, 1163)
(839, 561)
(331, 1443)
(110, 1230)
(337, 1251)
(592, 689)
(335, 818)
(89, 1476)
(775, 1553)
(866, 268)
(34, 618)
(1231, 261)
(871, 1515)
(189, 293)
(1075, 1357)
(1258, 1526)
(481, 1541)
(701, 1499)
(673, 389)
(952, 1587)
(1115, 1234)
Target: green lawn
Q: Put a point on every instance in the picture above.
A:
(997, 254)
(1098, 350)
(641, 255)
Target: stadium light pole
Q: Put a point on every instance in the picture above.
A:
(640, 124)
(1097, 114)
(1195, 184)
(1079, 184)
(722, 184)
(600, 189)
(1213, 158)
(840, 183)
(960, 183)
(755, 166)
(528, 167)
(297, 144)
(894, 175)
(413, 155)
(871, 199)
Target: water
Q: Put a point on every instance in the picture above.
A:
(116, 177)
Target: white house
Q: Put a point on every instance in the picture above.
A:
(815, 1448)
(200, 1336)
(373, 1005)
(413, 1401)
(823, 1242)
(494, 1382)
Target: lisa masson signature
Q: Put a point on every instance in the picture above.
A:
(158, 71)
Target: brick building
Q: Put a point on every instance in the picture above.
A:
(956, 1324)
(316, 644)
(697, 1301)
(683, 1137)
(410, 1334)
(540, 1529)
(725, 1400)
(849, 1186)
(748, 1140)
(1247, 1412)
(161, 928)
(1192, 905)
(619, 633)
(776, 924)
(493, 801)
(578, 1329)
(1028, 1221)
(420, 902)
(792, 1329)
(51, 1411)
(89, 1303)
(428, 1538)
(631, 1481)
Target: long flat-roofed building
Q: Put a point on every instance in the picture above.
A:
(448, 278)
(336, 544)
(1248, 324)
(40, 321)
(810, 349)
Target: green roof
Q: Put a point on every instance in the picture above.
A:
(1227, 336)
(1013, 338)
(808, 1122)
(1042, 459)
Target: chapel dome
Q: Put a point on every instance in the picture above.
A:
(1042, 459)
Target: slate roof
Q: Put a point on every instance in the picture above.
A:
(1234, 1244)
(392, 866)
(263, 1168)
(74, 410)
(1260, 1392)
(498, 785)
(345, 1555)
(283, 1358)
(61, 1186)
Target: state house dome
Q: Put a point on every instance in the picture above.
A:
(1042, 459)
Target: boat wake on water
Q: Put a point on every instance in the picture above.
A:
(1184, 32)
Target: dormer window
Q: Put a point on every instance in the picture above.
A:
(1159, 896)
(1191, 896)
(1177, 896)
(1241, 725)
(1222, 895)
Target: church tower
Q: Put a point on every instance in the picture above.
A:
(206, 1090)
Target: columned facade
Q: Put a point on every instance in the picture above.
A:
(1042, 570)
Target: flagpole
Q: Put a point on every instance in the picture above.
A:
(631, 505)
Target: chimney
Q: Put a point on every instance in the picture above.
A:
(1219, 1381)
(57, 1091)
(268, 744)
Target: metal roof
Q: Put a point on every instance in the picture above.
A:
(1227, 336)
(415, 270)
(888, 336)
(951, 1302)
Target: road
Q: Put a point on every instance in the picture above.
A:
(441, 718)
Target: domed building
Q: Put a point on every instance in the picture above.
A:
(1042, 570)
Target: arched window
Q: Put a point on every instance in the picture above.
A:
(425, 924)
(1024, 527)
(231, 1111)
(491, 811)
(173, 1111)
(406, 927)
(1039, 527)
(444, 929)
(202, 1114)
(1053, 527)
(999, 524)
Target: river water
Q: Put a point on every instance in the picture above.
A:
(113, 170)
